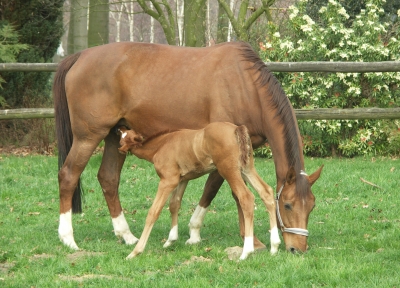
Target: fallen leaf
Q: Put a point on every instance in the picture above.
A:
(392, 169)
(34, 213)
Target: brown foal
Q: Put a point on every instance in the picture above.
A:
(184, 155)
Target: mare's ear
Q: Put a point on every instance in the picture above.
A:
(291, 176)
(314, 177)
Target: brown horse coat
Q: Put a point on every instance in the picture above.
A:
(151, 88)
(188, 154)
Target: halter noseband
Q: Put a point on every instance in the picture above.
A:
(299, 231)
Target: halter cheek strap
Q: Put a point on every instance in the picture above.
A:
(298, 231)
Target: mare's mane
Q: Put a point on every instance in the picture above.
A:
(283, 112)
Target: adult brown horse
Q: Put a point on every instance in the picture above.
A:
(154, 88)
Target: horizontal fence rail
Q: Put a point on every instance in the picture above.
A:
(301, 114)
(346, 67)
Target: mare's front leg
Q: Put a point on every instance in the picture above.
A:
(165, 187)
(109, 177)
(214, 182)
(174, 206)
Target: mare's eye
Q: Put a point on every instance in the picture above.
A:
(288, 206)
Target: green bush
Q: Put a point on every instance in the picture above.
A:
(39, 24)
(9, 49)
(365, 40)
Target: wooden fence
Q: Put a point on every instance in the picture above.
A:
(328, 113)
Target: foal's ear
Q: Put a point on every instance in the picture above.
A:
(291, 176)
(314, 177)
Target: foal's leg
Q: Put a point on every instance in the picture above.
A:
(211, 188)
(174, 206)
(258, 245)
(165, 187)
(68, 177)
(246, 202)
(267, 196)
(109, 177)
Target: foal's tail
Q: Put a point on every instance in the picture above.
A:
(243, 138)
(63, 123)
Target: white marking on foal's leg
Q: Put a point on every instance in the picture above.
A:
(173, 236)
(121, 229)
(65, 231)
(195, 224)
(248, 247)
(275, 240)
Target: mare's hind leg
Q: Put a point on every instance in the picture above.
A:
(174, 206)
(68, 177)
(109, 177)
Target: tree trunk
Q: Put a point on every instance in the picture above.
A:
(77, 33)
(116, 13)
(180, 4)
(195, 23)
(242, 23)
(130, 13)
(223, 25)
(98, 22)
(163, 13)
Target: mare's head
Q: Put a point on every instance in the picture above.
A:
(130, 139)
(295, 201)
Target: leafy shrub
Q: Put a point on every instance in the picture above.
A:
(9, 49)
(365, 40)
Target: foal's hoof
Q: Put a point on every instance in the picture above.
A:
(132, 255)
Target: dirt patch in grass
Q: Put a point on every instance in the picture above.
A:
(234, 252)
(5, 267)
(41, 256)
(84, 277)
(81, 254)
(196, 259)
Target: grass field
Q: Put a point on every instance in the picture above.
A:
(354, 231)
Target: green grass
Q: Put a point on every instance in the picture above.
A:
(354, 231)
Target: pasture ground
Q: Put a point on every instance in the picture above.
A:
(354, 231)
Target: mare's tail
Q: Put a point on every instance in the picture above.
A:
(245, 146)
(63, 123)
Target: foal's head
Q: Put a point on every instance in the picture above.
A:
(129, 139)
(295, 203)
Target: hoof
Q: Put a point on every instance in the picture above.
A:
(193, 241)
(130, 239)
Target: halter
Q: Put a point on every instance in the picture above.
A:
(299, 231)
